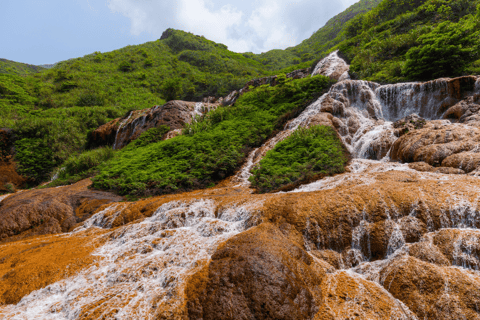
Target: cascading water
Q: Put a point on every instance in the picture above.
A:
(122, 124)
(142, 267)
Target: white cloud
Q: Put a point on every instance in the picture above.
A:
(261, 26)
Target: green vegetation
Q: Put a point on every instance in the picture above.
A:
(18, 68)
(306, 154)
(211, 148)
(81, 166)
(52, 112)
(403, 40)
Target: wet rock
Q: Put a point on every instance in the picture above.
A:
(27, 266)
(324, 119)
(407, 124)
(333, 66)
(349, 296)
(428, 252)
(259, 274)
(425, 167)
(466, 161)
(435, 142)
(49, 211)
(466, 111)
(432, 292)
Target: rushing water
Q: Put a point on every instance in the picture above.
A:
(143, 266)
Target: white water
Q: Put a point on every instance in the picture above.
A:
(330, 65)
(122, 124)
(3, 197)
(143, 266)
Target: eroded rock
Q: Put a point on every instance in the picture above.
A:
(49, 211)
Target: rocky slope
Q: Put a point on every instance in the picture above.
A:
(385, 240)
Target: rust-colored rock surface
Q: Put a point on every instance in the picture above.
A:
(49, 211)
(381, 241)
(9, 178)
(26, 266)
(259, 274)
(437, 141)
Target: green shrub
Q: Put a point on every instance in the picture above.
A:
(306, 154)
(81, 166)
(172, 89)
(150, 136)
(125, 66)
(90, 99)
(9, 187)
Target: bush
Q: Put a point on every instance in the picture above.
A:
(150, 136)
(90, 99)
(125, 66)
(172, 89)
(81, 166)
(306, 154)
(9, 187)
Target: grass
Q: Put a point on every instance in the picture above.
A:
(305, 155)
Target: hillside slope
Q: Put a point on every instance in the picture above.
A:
(18, 68)
(414, 40)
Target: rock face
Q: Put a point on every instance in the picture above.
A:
(49, 211)
(259, 274)
(174, 114)
(333, 66)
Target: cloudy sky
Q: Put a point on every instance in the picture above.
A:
(47, 31)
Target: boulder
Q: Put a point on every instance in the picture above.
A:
(259, 274)
(435, 142)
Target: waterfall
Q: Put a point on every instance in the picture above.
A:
(122, 124)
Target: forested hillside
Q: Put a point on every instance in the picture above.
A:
(18, 68)
(414, 40)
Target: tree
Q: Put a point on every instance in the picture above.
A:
(445, 51)
(172, 89)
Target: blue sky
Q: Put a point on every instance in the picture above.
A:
(43, 32)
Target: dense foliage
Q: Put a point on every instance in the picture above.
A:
(18, 68)
(211, 148)
(306, 154)
(403, 40)
(81, 166)
(52, 112)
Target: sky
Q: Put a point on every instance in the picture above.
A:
(47, 31)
